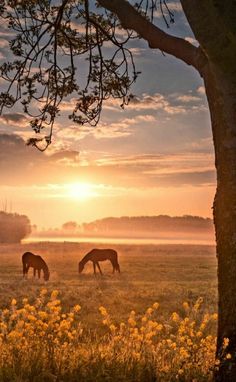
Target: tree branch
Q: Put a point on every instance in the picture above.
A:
(130, 18)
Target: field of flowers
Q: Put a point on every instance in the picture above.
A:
(147, 324)
(42, 342)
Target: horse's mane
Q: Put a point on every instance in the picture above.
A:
(45, 266)
(86, 257)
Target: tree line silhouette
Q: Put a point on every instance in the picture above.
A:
(149, 224)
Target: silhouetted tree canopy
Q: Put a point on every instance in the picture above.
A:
(13, 227)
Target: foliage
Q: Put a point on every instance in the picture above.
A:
(51, 42)
(42, 342)
(13, 227)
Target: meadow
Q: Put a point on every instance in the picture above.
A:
(156, 321)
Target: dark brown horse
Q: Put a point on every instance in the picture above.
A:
(37, 263)
(97, 255)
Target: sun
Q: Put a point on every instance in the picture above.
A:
(81, 191)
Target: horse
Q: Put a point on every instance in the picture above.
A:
(36, 262)
(97, 255)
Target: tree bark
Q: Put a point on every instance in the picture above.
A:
(221, 94)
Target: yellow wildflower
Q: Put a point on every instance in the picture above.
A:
(77, 308)
(149, 311)
(225, 343)
(54, 294)
(175, 317)
(103, 311)
(155, 305)
(186, 305)
(112, 328)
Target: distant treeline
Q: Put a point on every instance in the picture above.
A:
(157, 224)
(13, 227)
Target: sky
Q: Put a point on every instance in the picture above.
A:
(154, 157)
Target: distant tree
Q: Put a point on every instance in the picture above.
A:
(13, 227)
(45, 30)
(70, 226)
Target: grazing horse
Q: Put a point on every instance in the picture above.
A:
(36, 262)
(97, 255)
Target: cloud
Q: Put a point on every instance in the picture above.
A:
(137, 51)
(192, 178)
(173, 6)
(14, 119)
(201, 90)
(60, 155)
(172, 104)
(22, 164)
(193, 169)
(65, 158)
(108, 130)
(68, 105)
(155, 102)
(186, 98)
(4, 43)
(103, 130)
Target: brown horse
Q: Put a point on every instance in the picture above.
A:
(97, 255)
(37, 263)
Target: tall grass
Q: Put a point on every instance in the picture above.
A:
(41, 341)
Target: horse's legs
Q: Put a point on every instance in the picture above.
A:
(94, 268)
(25, 269)
(34, 272)
(97, 263)
(113, 267)
(39, 273)
(118, 267)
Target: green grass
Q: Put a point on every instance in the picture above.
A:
(168, 274)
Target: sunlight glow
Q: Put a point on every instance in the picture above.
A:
(81, 191)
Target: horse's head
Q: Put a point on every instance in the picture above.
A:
(81, 267)
(46, 275)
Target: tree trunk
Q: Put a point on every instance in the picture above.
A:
(221, 94)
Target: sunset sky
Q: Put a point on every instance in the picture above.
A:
(155, 157)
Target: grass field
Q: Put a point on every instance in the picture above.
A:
(167, 274)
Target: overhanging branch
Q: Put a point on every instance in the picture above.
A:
(130, 18)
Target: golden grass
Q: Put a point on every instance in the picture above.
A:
(114, 336)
